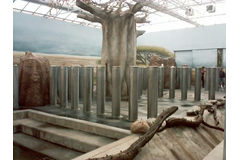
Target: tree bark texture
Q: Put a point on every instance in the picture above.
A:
(119, 49)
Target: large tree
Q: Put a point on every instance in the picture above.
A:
(118, 20)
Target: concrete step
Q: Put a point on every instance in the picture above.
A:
(73, 139)
(44, 147)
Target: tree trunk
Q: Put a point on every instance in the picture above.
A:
(119, 49)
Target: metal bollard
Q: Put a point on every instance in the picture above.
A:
(197, 90)
(101, 89)
(207, 79)
(152, 92)
(160, 81)
(145, 78)
(116, 91)
(140, 81)
(15, 87)
(58, 84)
(92, 80)
(64, 86)
(133, 96)
(181, 77)
(87, 88)
(53, 85)
(178, 77)
(217, 78)
(211, 93)
(69, 82)
(184, 88)
(189, 78)
(172, 82)
(74, 87)
(80, 82)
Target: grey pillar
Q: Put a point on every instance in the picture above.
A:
(178, 77)
(145, 78)
(172, 82)
(69, 82)
(160, 81)
(133, 96)
(181, 77)
(152, 92)
(197, 90)
(64, 86)
(184, 87)
(207, 78)
(116, 91)
(101, 89)
(212, 81)
(74, 87)
(189, 77)
(15, 87)
(92, 80)
(87, 88)
(217, 79)
(58, 84)
(53, 85)
(140, 81)
(81, 82)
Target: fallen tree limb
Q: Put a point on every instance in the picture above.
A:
(135, 148)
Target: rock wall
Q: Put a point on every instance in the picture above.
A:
(34, 81)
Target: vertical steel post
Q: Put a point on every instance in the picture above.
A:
(75, 87)
(15, 87)
(207, 78)
(181, 77)
(92, 80)
(217, 78)
(178, 77)
(116, 91)
(101, 89)
(81, 82)
(53, 85)
(189, 77)
(145, 78)
(160, 81)
(152, 92)
(69, 82)
(64, 86)
(197, 90)
(87, 88)
(133, 96)
(140, 81)
(184, 88)
(172, 82)
(211, 93)
(58, 84)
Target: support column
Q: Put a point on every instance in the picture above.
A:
(133, 96)
(74, 87)
(69, 82)
(53, 85)
(58, 84)
(152, 92)
(64, 86)
(184, 87)
(189, 77)
(172, 82)
(178, 77)
(160, 81)
(87, 90)
(140, 81)
(145, 78)
(101, 89)
(197, 90)
(81, 82)
(211, 93)
(207, 78)
(217, 78)
(15, 87)
(116, 91)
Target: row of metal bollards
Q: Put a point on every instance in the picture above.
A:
(76, 82)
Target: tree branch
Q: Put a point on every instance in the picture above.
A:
(92, 9)
(141, 20)
(89, 17)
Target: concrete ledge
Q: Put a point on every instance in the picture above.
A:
(76, 124)
(216, 153)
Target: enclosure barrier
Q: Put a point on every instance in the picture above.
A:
(64, 86)
(172, 82)
(189, 77)
(116, 91)
(87, 88)
(184, 87)
(74, 87)
(140, 81)
(217, 79)
(152, 92)
(160, 81)
(197, 89)
(145, 83)
(178, 77)
(207, 78)
(80, 82)
(69, 83)
(133, 89)
(101, 89)
(53, 85)
(15, 87)
(211, 93)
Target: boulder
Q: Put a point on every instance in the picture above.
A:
(34, 80)
(139, 126)
(167, 63)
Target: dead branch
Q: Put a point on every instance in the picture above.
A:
(134, 149)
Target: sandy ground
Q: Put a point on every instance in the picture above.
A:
(61, 59)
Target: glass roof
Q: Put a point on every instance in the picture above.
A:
(165, 14)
